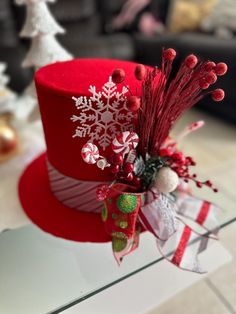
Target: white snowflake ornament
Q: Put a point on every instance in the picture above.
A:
(103, 114)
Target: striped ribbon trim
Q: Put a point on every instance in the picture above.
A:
(73, 193)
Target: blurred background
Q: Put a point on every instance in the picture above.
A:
(132, 30)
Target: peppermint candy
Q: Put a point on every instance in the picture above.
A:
(102, 192)
(124, 142)
(90, 153)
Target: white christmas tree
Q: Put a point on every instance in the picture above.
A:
(41, 27)
(6, 95)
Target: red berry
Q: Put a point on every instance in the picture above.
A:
(114, 169)
(209, 183)
(218, 94)
(191, 61)
(140, 72)
(130, 177)
(133, 103)
(178, 158)
(209, 66)
(211, 78)
(199, 184)
(118, 76)
(216, 190)
(169, 54)
(128, 167)
(165, 152)
(203, 84)
(118, 159)
(221, 68)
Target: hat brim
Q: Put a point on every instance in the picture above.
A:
(49, 214)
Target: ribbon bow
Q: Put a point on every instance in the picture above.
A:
(182, 225)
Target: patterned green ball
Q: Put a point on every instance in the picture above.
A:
(104, 213)
(119, 241)
(127, 203)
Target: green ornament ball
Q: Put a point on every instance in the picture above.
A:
(127, 203)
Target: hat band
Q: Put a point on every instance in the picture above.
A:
(73, 193)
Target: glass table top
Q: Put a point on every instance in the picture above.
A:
(47, 274)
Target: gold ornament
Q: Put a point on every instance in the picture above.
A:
(8, 140)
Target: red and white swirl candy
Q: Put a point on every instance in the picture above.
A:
(124, 142)
(90, 153)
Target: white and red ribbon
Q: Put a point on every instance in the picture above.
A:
(179, 241)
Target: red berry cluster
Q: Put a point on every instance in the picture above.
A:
(118, 76)
(123, 169)
(181, 165)
(207, 75)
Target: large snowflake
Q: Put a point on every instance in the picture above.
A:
(103, 114)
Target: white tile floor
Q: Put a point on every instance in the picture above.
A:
(214, 147)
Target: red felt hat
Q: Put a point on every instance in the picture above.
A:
(57, 190)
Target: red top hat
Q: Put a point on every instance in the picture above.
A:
(57, 190)
(81, 108)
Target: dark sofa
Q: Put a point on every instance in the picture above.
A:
(89, 35)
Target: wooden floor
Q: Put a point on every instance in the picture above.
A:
(214, 148)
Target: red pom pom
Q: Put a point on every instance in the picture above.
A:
(209, 66)
(140, 72)
(118, 76)
(191, 61)
(203, 84)
(169, 54)
(218, 94)
(211, 78)
(221, 68)
(133, 103)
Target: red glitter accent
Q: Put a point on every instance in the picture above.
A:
(203, 213)
(177, 258)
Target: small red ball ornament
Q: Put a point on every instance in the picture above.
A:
(218, 94)
(221, 68)
(128, 167)
(115, 169)
(140, 72)
(133, 103)
(118, 159)
(169, 54)
(191, 61)
(118, 76)
(130, 177)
